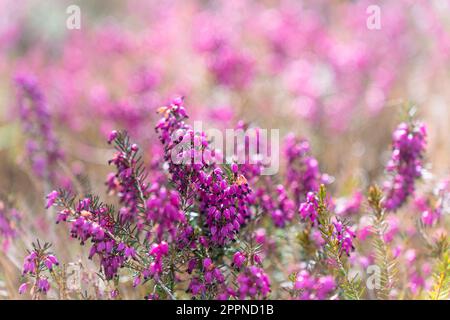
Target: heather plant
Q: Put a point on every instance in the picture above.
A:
(103, 160)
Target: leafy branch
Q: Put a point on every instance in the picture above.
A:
(383, 258)
(351, 288)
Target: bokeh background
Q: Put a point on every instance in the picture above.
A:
(313, 68)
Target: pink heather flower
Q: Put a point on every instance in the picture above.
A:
(326, 285)
(23, 288)
(163, 210)
(208, 277)
(31, 263)
(309, 287)
(430, 214)
(94, 222)
(224, 204)
(43, 285)
(42, 147)
(253, 283)
(363, 232)
(279, 206)
(112, 136)
(9, 218)
(126, 183)
(51, 198)
(350, 206)
(152, 296)
(130, 252)
(260, 236)
(157, 251)
(392, 229)
(344, 235)
(114, 294)
(405, 165)
(304, 281)
(229, 65)
(317, 238)
(136, 281)
(238, 260)
(416, 282)
(50, 261)
(207, 263)
(410, 256)
(303, 174)
(308, 209)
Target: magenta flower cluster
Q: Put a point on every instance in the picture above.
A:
(9, 221)
(310, 287)
(158, 252)
(42, 146)
(222, 199)
(125, 182)
(302, 171)
(343, 234)
(37, 265)
(224, 205)
(405, 165)
(93, 221)
(163, 209)
(278, 205)
(308, 209)
(253, 283)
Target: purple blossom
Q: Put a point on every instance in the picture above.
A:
(224, 204)
(278, 206)
(51, 198)
(126, 182)
(238, 259)
(158, 252)
(308, 209)
(310, 287)
(23, 288)
(35, 264)
(94, 222)
(207, 279)
(253, 283)
(9, 219)
(42, 146)
(43, 285)
(344, 235)
(163, 210)
(350, 206)
(302, 172)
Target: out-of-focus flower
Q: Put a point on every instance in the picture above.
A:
(405, 165)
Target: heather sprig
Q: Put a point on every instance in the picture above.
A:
(253, 283)
(220, 197)
(91, 220)
(129, 182)
(116, 246)
(337, 239)
(277, 205)
(406, 163)
(38, 267)
(307, 286)
(9, 222)
(383, 256)
(302, 169)
(42, 146)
